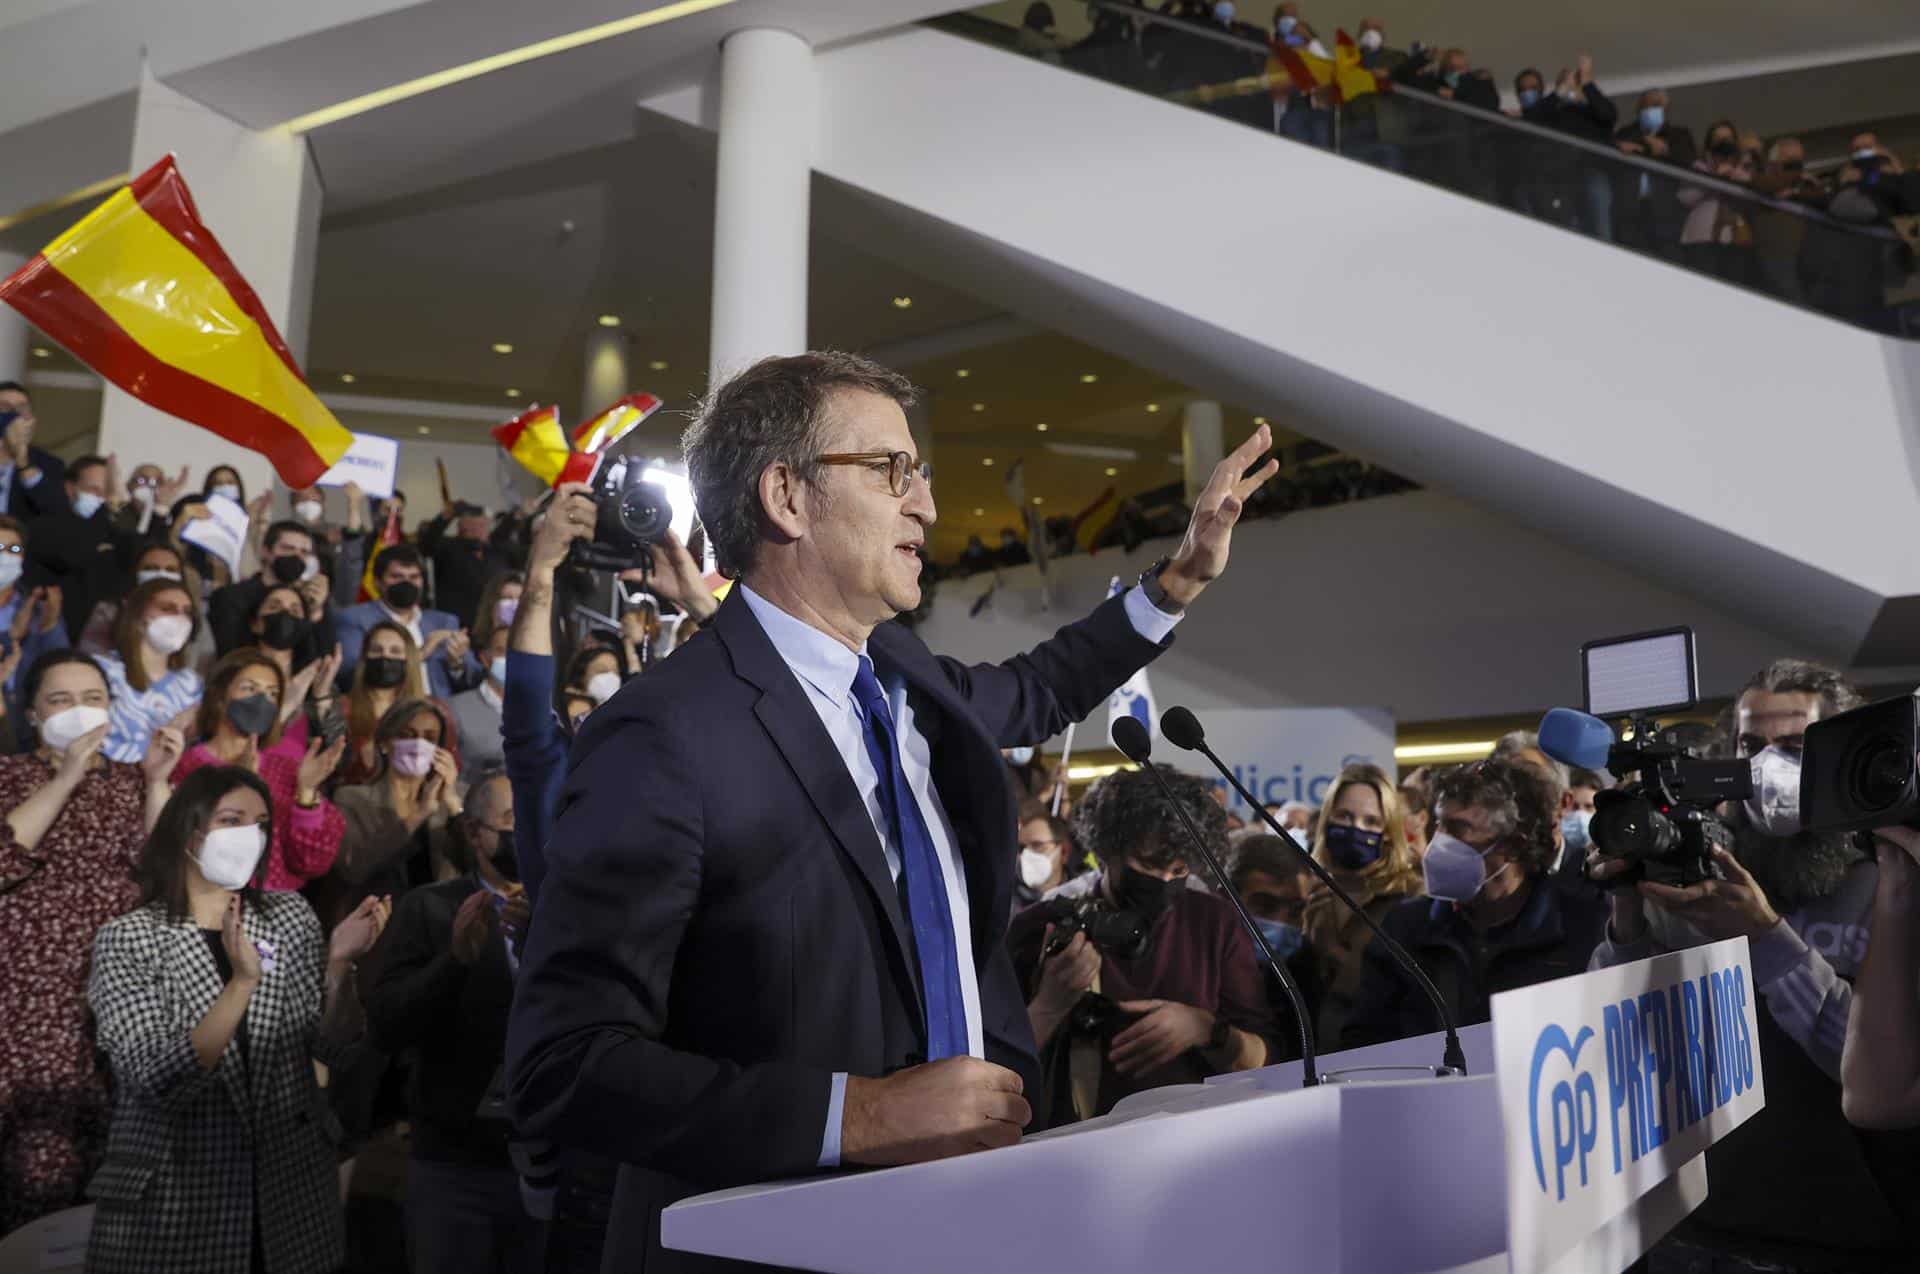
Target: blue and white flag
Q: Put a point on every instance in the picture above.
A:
(1135, 698)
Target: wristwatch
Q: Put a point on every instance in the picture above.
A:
(1156, 592)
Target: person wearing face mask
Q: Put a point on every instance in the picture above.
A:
(289, 558)
(1576, 818)
(1493, 918)
(30, 622)
(441, 997)
(460, 543)
(239, 724)
(1647, 211)
(397, 823)
(1194, 1003)
(597, 671)
(1416, 808)
(1275, 883)
(477, 711)
(1360, 836)
(498, 603)
(33, 481)
(224, 480)
(389, 672)
(72, 831)
(214, 1000)
(445, 647)
(152, 562)
(1804, 902)
(149, 672)
(1046, 855)
(75, 545)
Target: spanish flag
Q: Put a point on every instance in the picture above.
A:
(1350, 79)
(389, 535)
(537, 441)
(615, 423)
(140, 291)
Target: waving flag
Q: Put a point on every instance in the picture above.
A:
(389, 535)
(1135, 698)
(140, 291)
(1350, 79)
(536, 440)
(1308, 67)
(615, 423)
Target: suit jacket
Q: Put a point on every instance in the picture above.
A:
(196, 1158)
(49, 495)
(444, 676)
(719, 933)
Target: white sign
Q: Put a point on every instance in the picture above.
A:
(222, 533)
(371, 461)
(1610, 1082)
(1292, 754)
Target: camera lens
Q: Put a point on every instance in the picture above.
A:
(1877, 772)
(645, 513)
(1627, 826)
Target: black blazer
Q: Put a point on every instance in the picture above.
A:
(718, 932)
(49, 495)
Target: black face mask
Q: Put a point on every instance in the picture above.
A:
(385, 674)
(289, 568)
(401, 596)
(1147, 895)
(280, 630)
(252, 715)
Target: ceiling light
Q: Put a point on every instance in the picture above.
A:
(425, 430)
(497, 62)
(1087, 378)
(1112, 472)
(501, 347)
(963, 373)
(657, 365)
(979, 513)
(988, 462)
(1440, 751)
(513, 393)
(902, 302)
(41, 351)
(979, 406)
(1038, 500)
(347, 378)
(1259, 420)
(609, 320)
(1087, 773)
(1041, 427)
(1153, 407)
(1091, 452)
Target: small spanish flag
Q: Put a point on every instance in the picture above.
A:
(140, 291)
(389, 535)
(615, 423)
(537, 441)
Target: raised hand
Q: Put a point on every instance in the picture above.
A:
(570, 517)
(168, 492)
(241, 953)
(434, 641)
(355, 936)
(1203, 553)
(80, 753)
(446, 774)
(318, 766)
(458, 644)
(163, 753)
(19, 438)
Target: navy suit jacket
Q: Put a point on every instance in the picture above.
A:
(719, 933)
(444, 676)
(49, 495)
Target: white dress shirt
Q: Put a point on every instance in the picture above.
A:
(825, 669)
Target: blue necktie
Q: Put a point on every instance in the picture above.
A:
(926, 888)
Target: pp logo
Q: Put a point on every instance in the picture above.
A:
(1573, 1108)
(1137, 706)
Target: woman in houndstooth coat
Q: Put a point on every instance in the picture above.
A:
(213, 1000)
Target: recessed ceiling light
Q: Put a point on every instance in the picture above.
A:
(1112, 472)
(513, 393)
(425, 430)
(1259, 420)
(1087, 378)
(979, 513)
(41, 351)
(501, 347)
(964, 372)
(988, 462)
(902, 302)
(347, 378)
(979, 406)
(609, 320)
(1038, 500)
(657, 365)
(1042, 426)
(1153, 406)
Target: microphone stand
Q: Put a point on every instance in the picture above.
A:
(1137, 750)
(1453, 1055)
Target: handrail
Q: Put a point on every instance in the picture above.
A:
(1666, 172)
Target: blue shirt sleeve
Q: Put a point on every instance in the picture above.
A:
(1149, 620)
(830, 1139)
(535, 750)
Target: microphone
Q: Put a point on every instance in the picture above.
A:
(1183, 730)
(1575, 738)
(1134, 742)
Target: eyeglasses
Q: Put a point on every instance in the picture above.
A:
(15, 549)
(901, 467)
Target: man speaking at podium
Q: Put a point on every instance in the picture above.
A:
(771, 935)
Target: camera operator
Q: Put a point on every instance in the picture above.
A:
(1795, 1188)
(1193, 1004)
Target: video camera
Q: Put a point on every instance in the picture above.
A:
(1857, 770)
(1113, 930)
(1664, 822)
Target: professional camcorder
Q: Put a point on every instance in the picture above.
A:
(1664, 821)
(1113, 930)
(1857, 769)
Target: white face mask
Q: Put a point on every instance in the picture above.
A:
(1018, 757)
(1371, 40)
(1455, 870)
(10, 568)
(498, 670)
(86, 504)
(229, 855)
(601, 686)
(226, 489)
(1036, 868)
(143, 496)
(1774, 806)
(168, 633)
(309, 511)
(63, 727)
(154, 573)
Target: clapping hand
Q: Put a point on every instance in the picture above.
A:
(472, 926)
(241, 953)
(355, 936)
(19, 438)
(168, 492)
(163, 753)
(458, 644)
(51, 601)
(318, 766)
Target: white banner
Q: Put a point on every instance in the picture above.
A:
(223, 532)
(372, 461)
(1613, 1080)
(1291, 754)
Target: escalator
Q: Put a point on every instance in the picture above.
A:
(1423, 292)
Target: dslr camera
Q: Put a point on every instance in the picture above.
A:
(1663, 822)
(637, 503)
(1857, 769)
(1113, 930)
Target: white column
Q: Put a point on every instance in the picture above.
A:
(16, 334)
(260, 195)
(607, 376)
(762, 189)
(1202, 445)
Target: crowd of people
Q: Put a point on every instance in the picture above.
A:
(270, 853)
(1636, 182)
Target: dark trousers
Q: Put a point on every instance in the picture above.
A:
(465, 1219)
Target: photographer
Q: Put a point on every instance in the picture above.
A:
(1795, 1187)
(1192, 1004)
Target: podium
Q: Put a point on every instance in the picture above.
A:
(1382, 1170)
